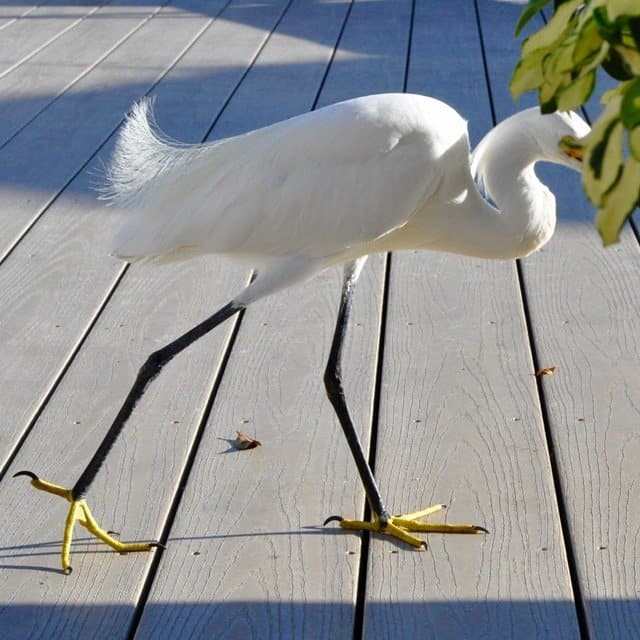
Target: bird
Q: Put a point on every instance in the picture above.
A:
(378, 173)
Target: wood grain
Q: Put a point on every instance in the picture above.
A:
(583, 302)
(41, 28)
(10, 14)
(460, 413)
(38, 163)
(59, 275)
(460, 422)
(247, 556)
(52, 71)
(149, 308)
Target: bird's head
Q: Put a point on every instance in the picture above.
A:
(522, 140)
(557, 135)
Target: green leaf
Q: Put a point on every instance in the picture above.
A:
(619, 203)
(607, 117)
(527, 75)
(550, 88)
(614, 65)
(634, 143)
(596, 178)
(563, 59)
(608, 30)
(592, 63)
(530, 10)
(634, 28)
(630, 107)
(577, 92)
(588, 41)
(613, 157)
(618, 8)
(602, 169)
(630, 58)
(612, 93)
(555, 29)
(549, 106)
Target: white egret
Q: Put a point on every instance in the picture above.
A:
(372, 174)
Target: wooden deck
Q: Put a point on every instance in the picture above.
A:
(440, 359)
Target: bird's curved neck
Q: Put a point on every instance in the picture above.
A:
(462, 221)
(524, 219)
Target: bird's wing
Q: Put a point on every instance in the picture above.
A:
(317, 185)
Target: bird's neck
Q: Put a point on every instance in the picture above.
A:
(461, 220)
(525, 216)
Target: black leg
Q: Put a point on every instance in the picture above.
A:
(149, 370)
(79, 511)
(335, 390)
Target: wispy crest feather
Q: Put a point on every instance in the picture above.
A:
(143, 154)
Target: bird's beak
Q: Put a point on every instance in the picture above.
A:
(572, 148)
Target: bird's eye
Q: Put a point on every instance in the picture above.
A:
(572, 147)
(576, 154)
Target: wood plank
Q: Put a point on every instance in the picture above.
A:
(150, 307)
(38, 163)
(48, 74)
(460, 421)
(246, 552)
(584, 306)
(43, 26)
(58, 277)
(11, 12)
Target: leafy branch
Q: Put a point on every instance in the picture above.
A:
(560, 61)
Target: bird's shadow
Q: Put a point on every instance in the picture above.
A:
(90, 545)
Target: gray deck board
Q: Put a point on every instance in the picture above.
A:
(253, 517)
(74, 127)
(460, 422)
(11, 12)
(584, 306)
(548, 466)
(43, 26)
(37, 296)
(53, 70)
(99, 376)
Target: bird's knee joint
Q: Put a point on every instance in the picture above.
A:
(333, 384)
(153, 363)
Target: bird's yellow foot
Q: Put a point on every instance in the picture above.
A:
(399, 526)
(79, 512)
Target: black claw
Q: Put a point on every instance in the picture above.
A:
(29, 474)
(332, 519)
(113, 533)
(481, 529)
(158, 545)
(67, 571)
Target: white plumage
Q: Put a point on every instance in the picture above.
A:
(372, 174)
(376, 173)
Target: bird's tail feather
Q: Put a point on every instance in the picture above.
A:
(142, 155)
